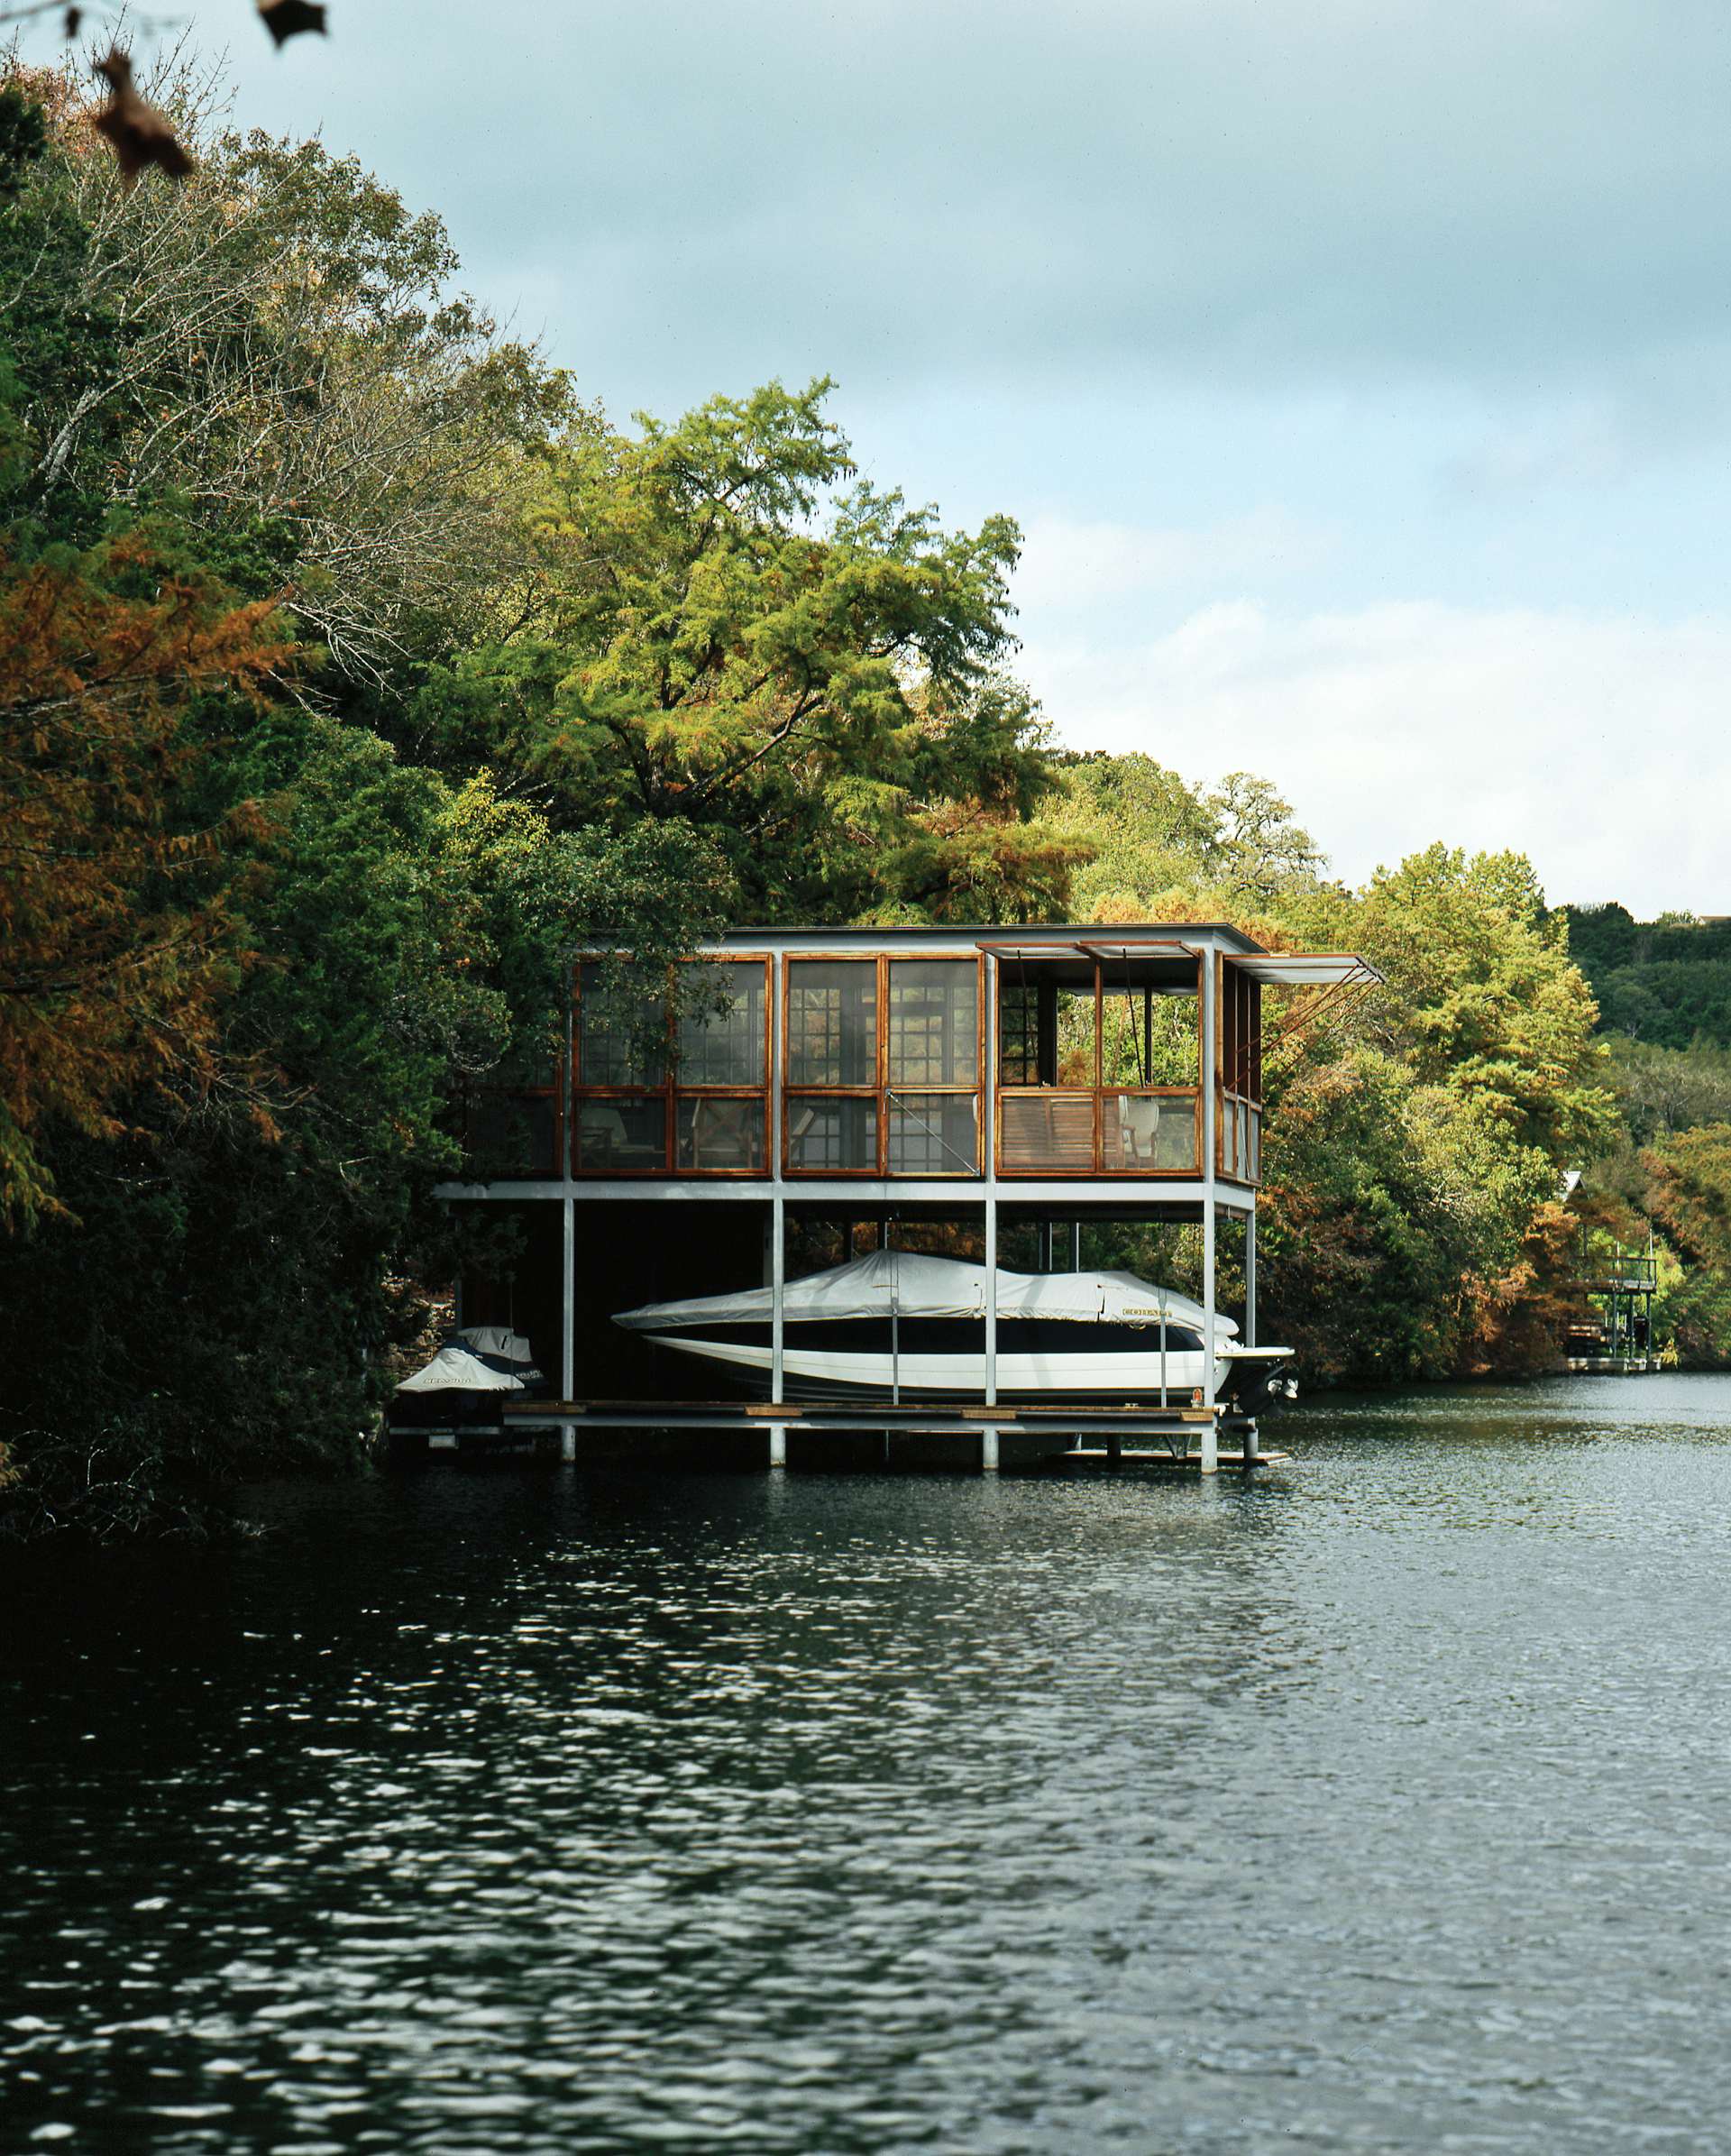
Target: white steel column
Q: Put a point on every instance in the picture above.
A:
(777, 1216)
(777, 1292)
(989, 1154)
(1249, 1278)
(1210, 1067)
(990, 1302)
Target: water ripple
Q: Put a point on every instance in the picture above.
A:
(1378, 1808)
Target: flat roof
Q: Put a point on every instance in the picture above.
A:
(1068, 934)
(1279, 969)
(1309, 970)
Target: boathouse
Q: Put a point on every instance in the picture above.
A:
(848, 1089)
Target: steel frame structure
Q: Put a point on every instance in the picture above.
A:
(983, 1193)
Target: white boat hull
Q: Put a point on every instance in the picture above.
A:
(1059, 1376)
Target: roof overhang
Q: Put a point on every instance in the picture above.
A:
(1306, 969)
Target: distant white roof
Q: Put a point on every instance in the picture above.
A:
(908, 1285)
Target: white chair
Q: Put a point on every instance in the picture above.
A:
(1138, 1125)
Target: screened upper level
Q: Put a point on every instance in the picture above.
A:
(883, 1055)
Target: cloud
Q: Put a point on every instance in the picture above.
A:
(1070, 562)
(1598, 745)
(1346, 194)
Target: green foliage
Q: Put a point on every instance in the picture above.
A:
(1663, 1090)
(727, 628)
(253, 946)
(1156, 845)
(1481, 996)
(1417, 1133)
(1385, 1202)
(1688, 1199)
(1666, 982)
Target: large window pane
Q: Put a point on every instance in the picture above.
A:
(933, 1133)
(713, 1136)
(1022, 1054)
(1046, 1025)
(1148, 1136)
(837, 1136)
(934, 1021)
(621, 1137)
(726, 1048)
(832, 1023)
(619, 1035)
(1148, 1037)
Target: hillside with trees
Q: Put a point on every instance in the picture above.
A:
(1667, 982)
(1664, 991)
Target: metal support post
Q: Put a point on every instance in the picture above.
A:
(777, 1294)
(989, 1450)
(992, 1306)
(1076, 1246)
(1249, 1318)
(568, 1323)
(1210, 1100)
(988, 1132)
(1249, 1278)
(778, 1444)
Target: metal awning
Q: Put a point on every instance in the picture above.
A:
(1306, 969)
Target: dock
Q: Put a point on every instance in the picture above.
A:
(999, 1096)
(1182, 1438)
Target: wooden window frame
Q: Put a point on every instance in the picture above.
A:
(671, 1092)
(880, 1091)
(1100, 1092)
(1238, 1070)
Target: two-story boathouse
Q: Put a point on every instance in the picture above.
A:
(862, 1087)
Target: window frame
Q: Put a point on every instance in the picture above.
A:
(880, 1092)
(671, 1091)
(1099, 1093)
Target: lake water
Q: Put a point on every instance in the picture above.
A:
(1381, 1806)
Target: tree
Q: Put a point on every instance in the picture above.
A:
(725, 629)
(119, 938)
(1481, 996)
(1689, 1197)
(1156, 845)
(273, 348)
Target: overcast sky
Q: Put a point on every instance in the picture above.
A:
(1358, 370)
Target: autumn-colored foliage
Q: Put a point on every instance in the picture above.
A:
(118, 929)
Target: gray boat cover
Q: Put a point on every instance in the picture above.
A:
(483, 1358)
(908, 1285)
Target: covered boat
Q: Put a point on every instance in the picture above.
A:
(465, 1384)
(908, 1327)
